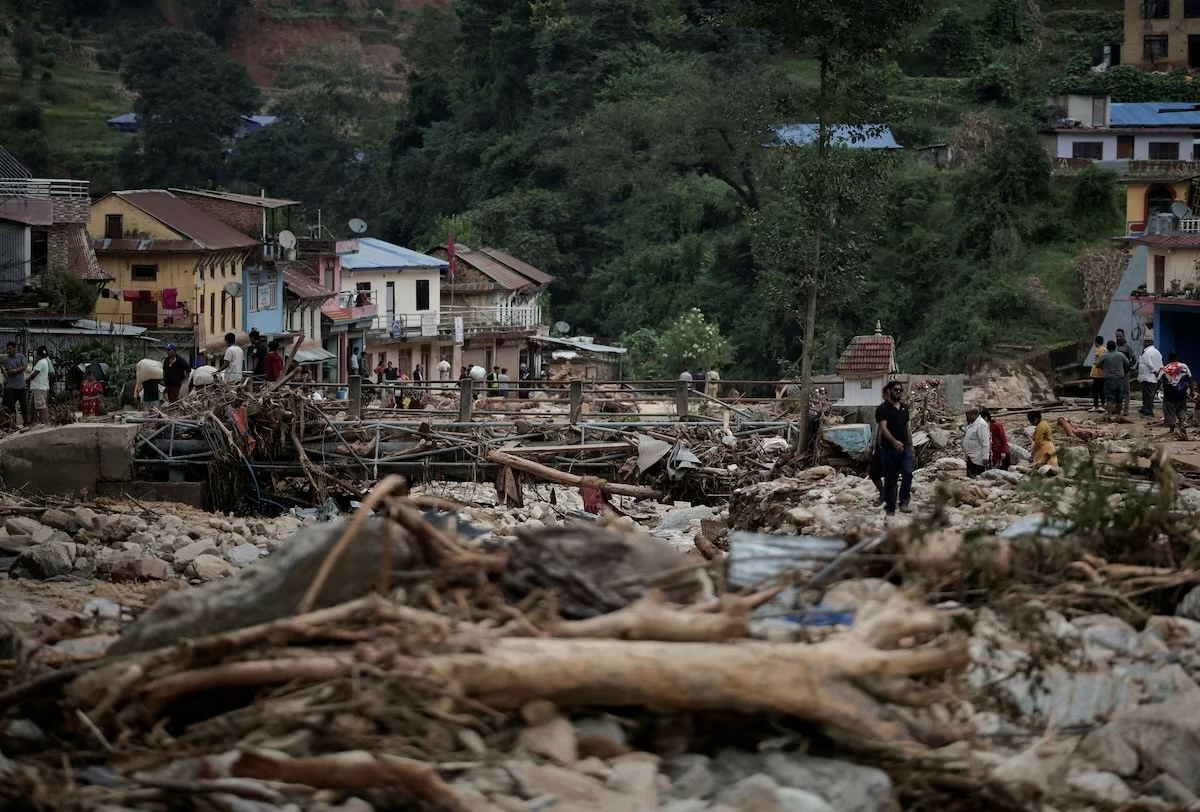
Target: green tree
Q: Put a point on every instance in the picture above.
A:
(954, 46)
(190, 96)
(692, 342)
(844, 36)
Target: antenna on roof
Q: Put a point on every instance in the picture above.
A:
(358, 225)
(1181, 210)
(287, 240)
(562, 327)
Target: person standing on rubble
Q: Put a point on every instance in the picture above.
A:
(39, 387)
(175, 372)
(443, 370)
(504, 382)
(1176, 381)
(14, 366)
(493, 382)
(977, 443)
(1149, 367)
(1098, 377)
(1001, 454)
(875, 472)
(712, 383)
(1043, 441)
(234, 361)
(896, 449)
(1115, 365)
(1126, 349)
(258, 355)
(273, 362)
(90, 394)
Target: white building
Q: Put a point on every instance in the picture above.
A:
(1095, 129)
(866, 365)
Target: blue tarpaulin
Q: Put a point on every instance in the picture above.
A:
(853, 438)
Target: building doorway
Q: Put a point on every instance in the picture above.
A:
(145, 313)
(1124, 147)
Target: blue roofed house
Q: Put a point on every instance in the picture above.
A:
(1093, 128)
(129, 123)
(401, 290)
(855, 136)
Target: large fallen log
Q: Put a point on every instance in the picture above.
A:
(563, 478)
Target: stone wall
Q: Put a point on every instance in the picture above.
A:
(71, 209)
(68, 459)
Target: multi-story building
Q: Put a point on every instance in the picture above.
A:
(170, 264)
(43, 229)
(1162, 34)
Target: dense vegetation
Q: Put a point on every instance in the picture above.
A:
(620, 146)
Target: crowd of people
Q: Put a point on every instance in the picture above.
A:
(1112, 367)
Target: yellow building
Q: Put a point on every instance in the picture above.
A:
(172, 265)
(1145, 197)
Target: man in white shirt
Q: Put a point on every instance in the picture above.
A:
(1150, 364)
(353, 360)
(39, 387)
(977, 443)
(443, 369)
(234, 362)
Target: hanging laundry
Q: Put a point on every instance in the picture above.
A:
(116, 294)
(170, 298)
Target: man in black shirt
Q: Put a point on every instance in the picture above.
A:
(258, 355)
(895, 448)
(175, 372)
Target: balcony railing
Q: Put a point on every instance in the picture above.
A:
(42, 188)
(434, 323)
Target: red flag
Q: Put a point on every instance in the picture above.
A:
(453, 259)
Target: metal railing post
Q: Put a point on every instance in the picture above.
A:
(682, 390)
(576, 400)
(355, 395)
(466, 394)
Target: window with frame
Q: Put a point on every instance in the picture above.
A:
(263, 294)
(144, 273)
(1156, 9)
(1191, 8)
(1154, 48)
(1164, 150)
(1160, 273)
(114, 226)
(1088, 150)
(422, 294)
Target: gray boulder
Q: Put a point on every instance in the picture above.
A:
(43, 561)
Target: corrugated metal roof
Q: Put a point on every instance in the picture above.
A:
(174, 212)
(493, 269)
(313, 356)
(377, 255)
(1154, 114)
(581, 345)
(249, 200)
(1171, 240)
(520, 266)
(122, 246)
(874, 355)
(81, 258)
(855, 136)
(304, 285)
(10, 167)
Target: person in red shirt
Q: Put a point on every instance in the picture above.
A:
(1001, 455)
(273, 363)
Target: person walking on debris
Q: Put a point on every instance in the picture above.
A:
(1126, 349)
(380, 371)
(875, 472)
(234, 361)
(258, 355)
(1115, 365)
(273, 363)
(1176, 380)
(151, 398)
(977, 443)
(493, 382)
(712, 383)
(1043, 441)
(39, 387)
(14, 366)
(1001, 454)
(523, 382)
(89, 395)
(504, 382)
(896, 449)
(175, 372)
(1098, 376)
(443, 370)
(1149, 367)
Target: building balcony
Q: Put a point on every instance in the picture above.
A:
(43, 188)
(352, 306)
(442, 323)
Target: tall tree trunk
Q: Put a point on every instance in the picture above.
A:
(813, 288)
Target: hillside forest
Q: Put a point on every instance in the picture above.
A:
(629, 148)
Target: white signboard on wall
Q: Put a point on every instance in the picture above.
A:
(429, 325)
(458, 329)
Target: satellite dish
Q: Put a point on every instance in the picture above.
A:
(358, 225)
(287, 240)
(233, 289)
(1181, 210)
(562, 327)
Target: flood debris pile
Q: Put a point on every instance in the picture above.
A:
(1024, 643)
